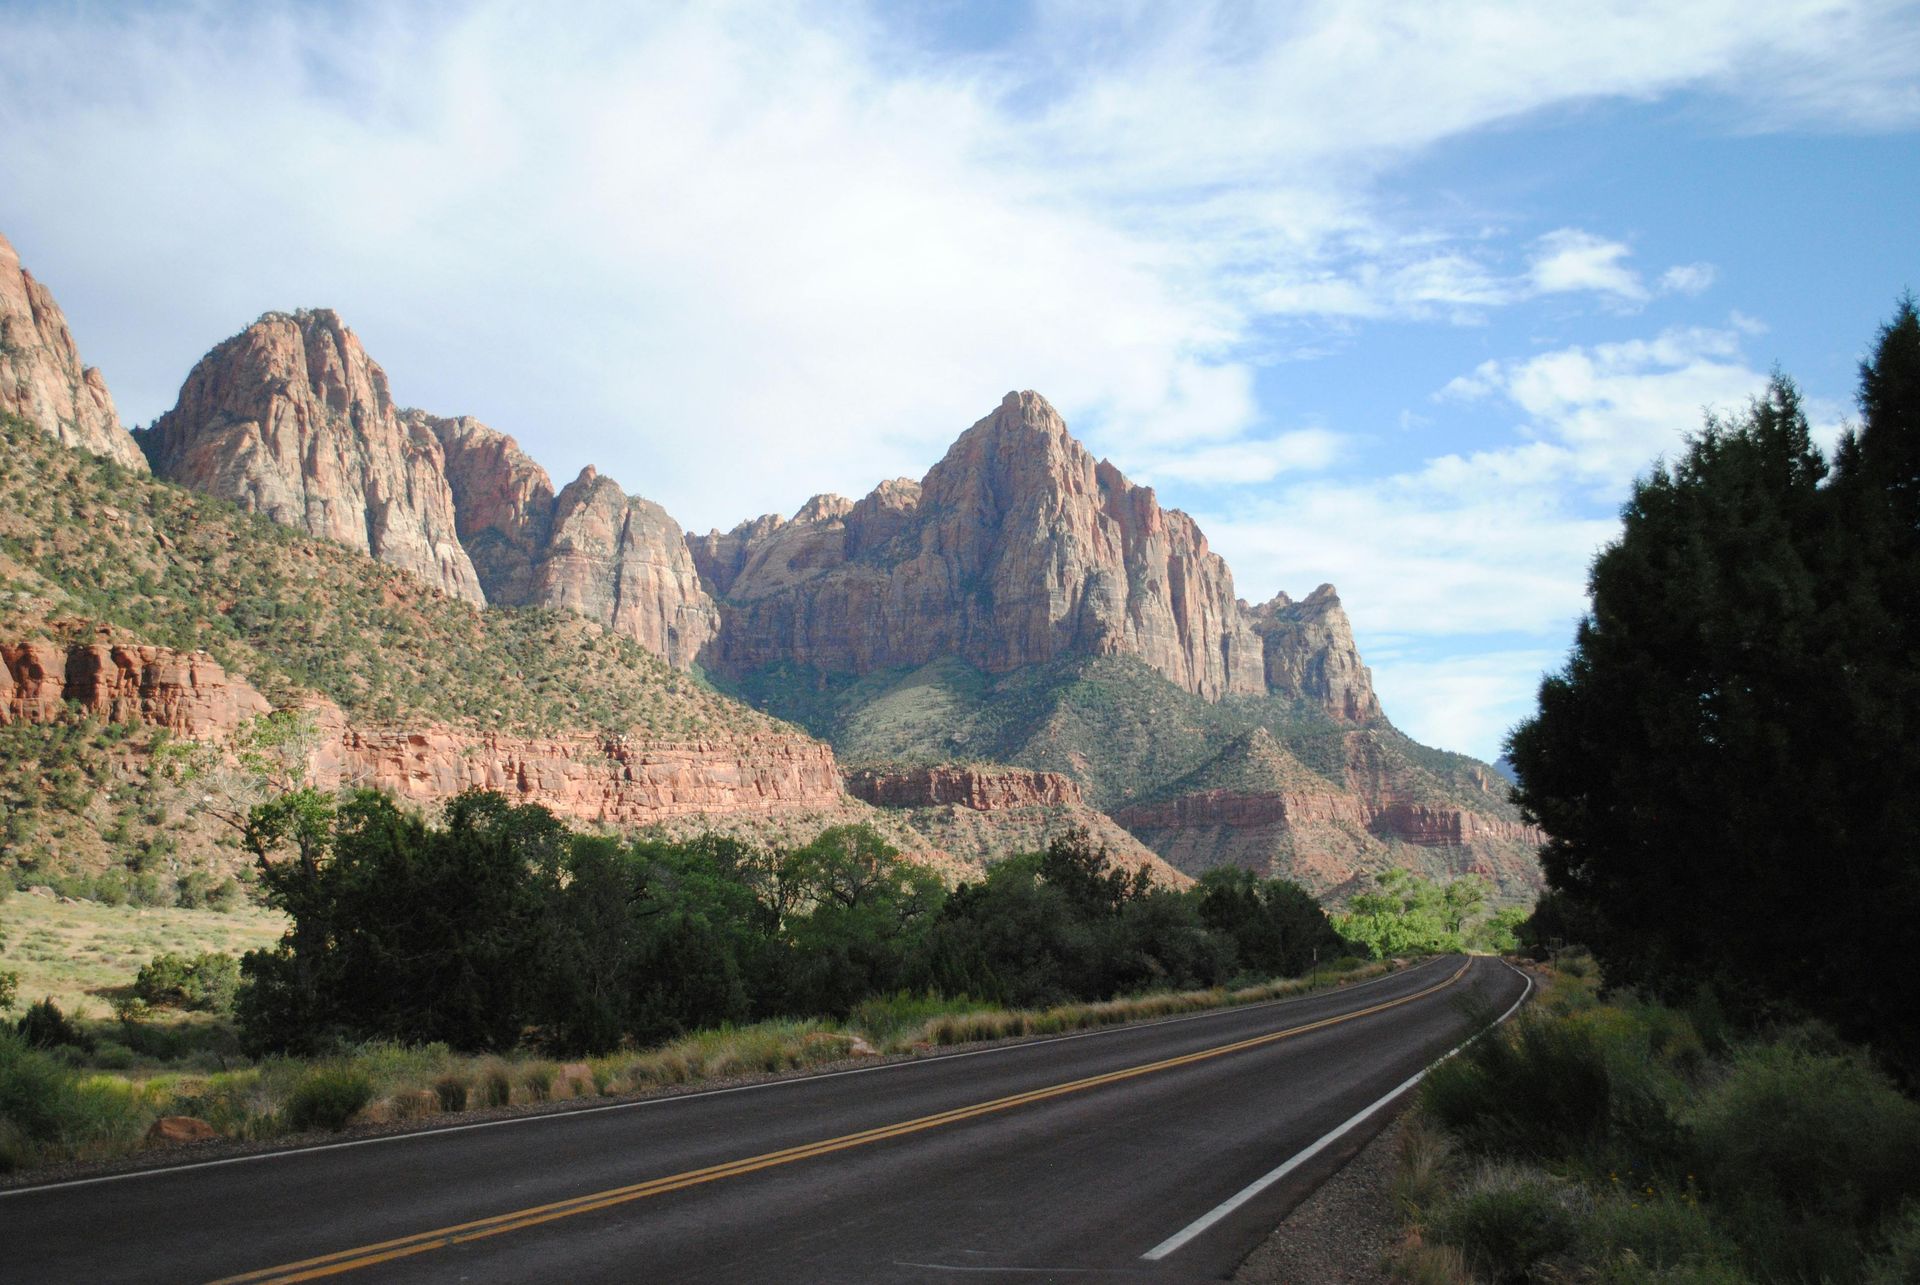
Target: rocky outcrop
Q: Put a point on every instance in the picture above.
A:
(188, 693)
(1017, 548)
(621, 560)
(1258, 807)
(502, 505)
(983, 789)
(292, 419)
(593, 549)
(613, 780)
(42, 379)
(1308, 653)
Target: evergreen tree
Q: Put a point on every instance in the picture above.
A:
(1726, 764)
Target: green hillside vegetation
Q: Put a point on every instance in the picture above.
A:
(84, 542)
(98, 810)
(1113, 723)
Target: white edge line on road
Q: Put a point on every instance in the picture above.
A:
(1258, 1185)
(577, 1112)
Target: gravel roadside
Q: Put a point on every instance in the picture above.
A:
(1340, 1234)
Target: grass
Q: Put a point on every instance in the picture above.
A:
(74, 1112)
(84, 954)
(1619, 1140)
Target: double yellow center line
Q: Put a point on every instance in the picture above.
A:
(348, 1260)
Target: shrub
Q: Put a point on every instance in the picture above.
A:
(44, 1026)
(1807, 1153)
(327, 1098)
(452, 1092)
(1540, 1089)
(1659, 1233)
(50, 1111)
(496, 1084)
(206, 982)
(1506, 1220)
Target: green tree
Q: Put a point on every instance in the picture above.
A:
(1727, 764)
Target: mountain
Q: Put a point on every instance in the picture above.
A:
(1020, 641)
(593, 549)
(1017, 548)
(292, 419)
(42, 379)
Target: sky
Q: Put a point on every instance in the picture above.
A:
(1400, 297)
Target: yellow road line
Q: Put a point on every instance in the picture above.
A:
(347, 1260)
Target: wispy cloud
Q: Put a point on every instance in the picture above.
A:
(806, 239)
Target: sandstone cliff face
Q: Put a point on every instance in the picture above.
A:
(41, 377)
(983, 789)
(187, 693)
(1308, 653)
(621, 560)
(978, 815)
(292, 419)
(596, 778)
(1016, 549)
(1277, 819)
(593, 549)
(502, 504)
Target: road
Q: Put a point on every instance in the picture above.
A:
(1070, 1158)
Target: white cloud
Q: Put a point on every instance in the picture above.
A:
(1247, 462)
(1496, 540)
(794, 236)
(1687, 278)
(1570, 260)
(1471, 701)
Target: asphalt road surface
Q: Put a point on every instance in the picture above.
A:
(1101, 1156)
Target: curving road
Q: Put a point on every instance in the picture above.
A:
(1156, 1151)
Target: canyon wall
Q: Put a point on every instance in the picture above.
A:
(42, 378)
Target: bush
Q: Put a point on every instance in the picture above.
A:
(1659, 1233)
(207, 982)
(44, 1026)
(452, 1092)
(1538, 1089)
(1508, 1219)
(1807, 1153)
(327, 1098)
(50, 1111)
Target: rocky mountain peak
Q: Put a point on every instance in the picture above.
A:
(42, 379)
(291, 418)
(1309, 653)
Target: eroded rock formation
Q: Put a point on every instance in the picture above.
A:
(188, 693)
(614, 780)
(42, 379)
(1016, 549)
(292, 419)
(981, 788)
(1308, 653)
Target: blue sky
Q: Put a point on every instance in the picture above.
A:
(1399, 297)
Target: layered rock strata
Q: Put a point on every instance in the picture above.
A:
(1329, 838)
(292, 419)
(601, 779)
(1308, 653)
(188, 693)
(42, 378)
(1017, 548)
(983, 789)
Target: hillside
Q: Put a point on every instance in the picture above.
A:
(1262, 781)
(135, 614)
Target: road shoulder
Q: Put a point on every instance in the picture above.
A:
(1340, 1234)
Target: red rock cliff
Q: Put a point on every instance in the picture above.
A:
(984, 789)
(42, 379)
(292, 419)
(585, 777)
(1308, 653)
(1016, 549)
(189, 694)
